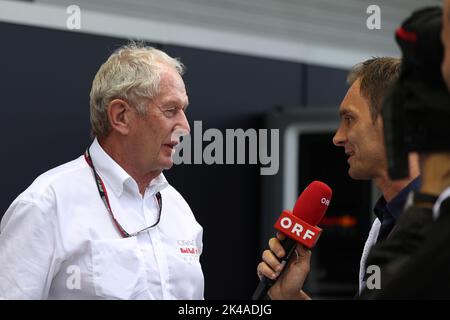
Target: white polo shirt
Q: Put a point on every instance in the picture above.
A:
(58, 241)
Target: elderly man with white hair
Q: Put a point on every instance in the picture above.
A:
(108, 225)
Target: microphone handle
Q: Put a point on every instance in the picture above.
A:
(265, 283)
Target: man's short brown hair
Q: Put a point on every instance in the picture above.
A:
(376, 76)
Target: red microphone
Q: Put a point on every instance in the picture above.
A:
(299, 226)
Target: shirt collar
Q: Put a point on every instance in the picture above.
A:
(157, 184)
(394, 208)
(115, 175)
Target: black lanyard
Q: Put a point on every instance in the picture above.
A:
(104, 196)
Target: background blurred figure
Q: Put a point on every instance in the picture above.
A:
(422, 238)
(108, 225)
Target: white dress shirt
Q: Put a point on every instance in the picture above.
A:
(437, 205)
(370, 242)
(58, 241)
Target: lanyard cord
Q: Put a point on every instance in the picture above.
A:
(104, 196)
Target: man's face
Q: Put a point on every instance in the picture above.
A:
(361, 138)
(156, 134)
(445, 36)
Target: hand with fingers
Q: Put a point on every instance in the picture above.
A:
(289, 285)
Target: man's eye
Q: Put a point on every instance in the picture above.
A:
(170, 112)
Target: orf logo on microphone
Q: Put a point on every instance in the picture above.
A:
(297, 229)
(325, 201)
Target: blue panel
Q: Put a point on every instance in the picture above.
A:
(324, 86)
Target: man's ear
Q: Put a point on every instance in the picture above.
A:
(119, 116)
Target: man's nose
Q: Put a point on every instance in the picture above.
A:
(184, 124)
(339, 138)
(182, 127)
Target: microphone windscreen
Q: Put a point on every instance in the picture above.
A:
(313, 203)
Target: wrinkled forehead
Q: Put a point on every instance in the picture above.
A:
(354, 102)
(353, 95)
(172, 87)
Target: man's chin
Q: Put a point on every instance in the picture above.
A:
(357, 174)
(167, 164)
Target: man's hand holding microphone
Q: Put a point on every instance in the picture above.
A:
(289, 284)
(286, 264)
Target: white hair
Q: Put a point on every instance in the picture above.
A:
(131, 73)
